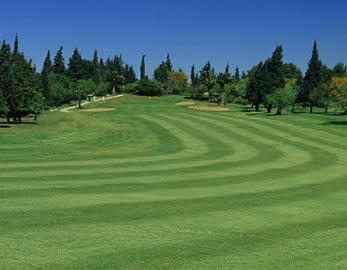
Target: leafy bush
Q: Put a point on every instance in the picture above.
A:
(144, 87)
(62, 89)
(282, 98)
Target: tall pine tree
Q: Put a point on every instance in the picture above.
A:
(168, 63)
(47, 67)
(237, 74)
(143, 68)
(313, 77)
(75, 70)
(192, 76)
(208, 78)
(16, 45)
(129, 74)
(59, 62)
(96, 74)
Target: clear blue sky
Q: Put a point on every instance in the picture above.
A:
(192, 31)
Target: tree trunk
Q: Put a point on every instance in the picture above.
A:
(279, 111)
(209, 96)
(269, 108)
(293, 108)
(326, 109)
(113, 90)
(15, 116)
(35, 118)
(79, 104)
(19, 118)
(222, 98)
(311, 109)
(8, 118)
(256, 107)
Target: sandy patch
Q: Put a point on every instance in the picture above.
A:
(210, 108)
(185, 103)
(98, 109)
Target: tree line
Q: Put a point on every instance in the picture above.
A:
(271, 83)
(275, 84)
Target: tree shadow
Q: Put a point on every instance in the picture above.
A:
(336, 123)
(247, 109)
(4, 126)
(275, 114)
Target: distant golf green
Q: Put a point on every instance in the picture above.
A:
(152, 185)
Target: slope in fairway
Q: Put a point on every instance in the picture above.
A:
(152, 185)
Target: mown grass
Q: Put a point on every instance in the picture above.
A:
(152, 185)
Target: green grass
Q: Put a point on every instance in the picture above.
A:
(158, 186)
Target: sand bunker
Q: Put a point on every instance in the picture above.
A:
(210, 108)
(98, 109)
(185, 103)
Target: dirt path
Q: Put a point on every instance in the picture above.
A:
(68, 109)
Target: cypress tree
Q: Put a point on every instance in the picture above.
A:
(272, 77)
(129, 74)
(193, 76)
(6, 78)
(208, 78)
(16, 45)
(168, 63)
(237, 74)
(227, 73)
(197, 78)
(161, 73)
(59, 62)
(313, 77)
(143, 68)
(47, 66)
(254, 90)
(102, 70)
(96, 76)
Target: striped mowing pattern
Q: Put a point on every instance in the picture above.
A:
(158, 186)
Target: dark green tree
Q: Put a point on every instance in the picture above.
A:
(265, 79)
(75, 66)
(16, 45)
(237, 74)
(3, 106)
(59, 62)
(340, 70)
(115, 73)
(36, 105)
(96, 76)
(6, 79)
(272, 75)
(222, 80)
(168, 63)
(291, 71)
(193, 76)
(161, 73)
(143, 68)
(320, 96)
(254, 90)
(208, 79)
(129, 74)
(46, 70)
(313, 77)
(102, 70)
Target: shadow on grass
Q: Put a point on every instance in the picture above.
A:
(336, 123)
(4, 124)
